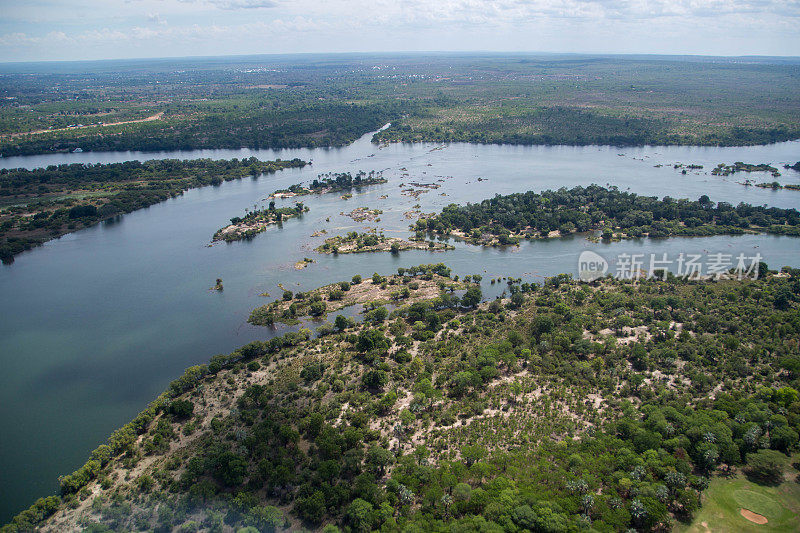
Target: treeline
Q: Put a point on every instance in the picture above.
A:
(617, 213)
(302, 124)
(85, 194)
(561, 125)
(21, 182)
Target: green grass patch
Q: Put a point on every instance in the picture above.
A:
(725, 498)
(760, 503)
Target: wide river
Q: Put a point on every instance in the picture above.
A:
(95, 324)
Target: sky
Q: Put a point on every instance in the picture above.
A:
(33, 30)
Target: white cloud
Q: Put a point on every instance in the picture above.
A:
(264, 26)
(235, 4)
(155, 18)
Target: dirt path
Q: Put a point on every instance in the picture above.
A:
(151, 118)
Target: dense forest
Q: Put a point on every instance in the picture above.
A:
(558, 407)
(45, 203)
(331, 100)
(619, 214)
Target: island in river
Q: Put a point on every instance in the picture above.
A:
(507, 219)
(255, 222)
(356, 243)
(332, 182)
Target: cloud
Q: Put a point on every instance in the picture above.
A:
(155, 18)
(253, 26)
(245, 4)
(233, 5)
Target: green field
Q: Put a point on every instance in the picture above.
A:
(725, 498)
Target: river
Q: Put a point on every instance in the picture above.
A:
(96, 324)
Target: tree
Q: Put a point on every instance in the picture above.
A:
(377, 315)
(313, 371)
(462, 492)
(371, 339)
(517, 299)
(473, 453)
(783, 438)
(472, 297)
(765, 466)
(317, 308)
(541, 324)
(378, 459)
(341, 322)
(230, 468)
(312, 509)
(360, 515)
(374, 379)
(181, 409)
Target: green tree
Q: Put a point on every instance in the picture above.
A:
(360, 515)
(765, 466)
(472, 297)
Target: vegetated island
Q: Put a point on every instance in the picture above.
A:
(356, 243)
(332, 182)
(257, 221)
(45, 203)
(410, 285)
(361, 214)
(506, 219)
(726, 170)
(603, 406)
(777, 186)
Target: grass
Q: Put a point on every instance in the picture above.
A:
(725, 497)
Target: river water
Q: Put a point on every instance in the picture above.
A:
(96, 324)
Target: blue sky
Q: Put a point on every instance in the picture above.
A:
(108, 29)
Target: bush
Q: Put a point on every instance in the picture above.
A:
(335, 295)
(181, 409)
(765, 466)
(317, 309)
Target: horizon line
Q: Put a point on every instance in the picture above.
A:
(407, 53)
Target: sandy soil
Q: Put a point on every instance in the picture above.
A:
(753, 517)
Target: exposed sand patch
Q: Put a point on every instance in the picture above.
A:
(753, 517)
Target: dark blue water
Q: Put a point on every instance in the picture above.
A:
(95, 324)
